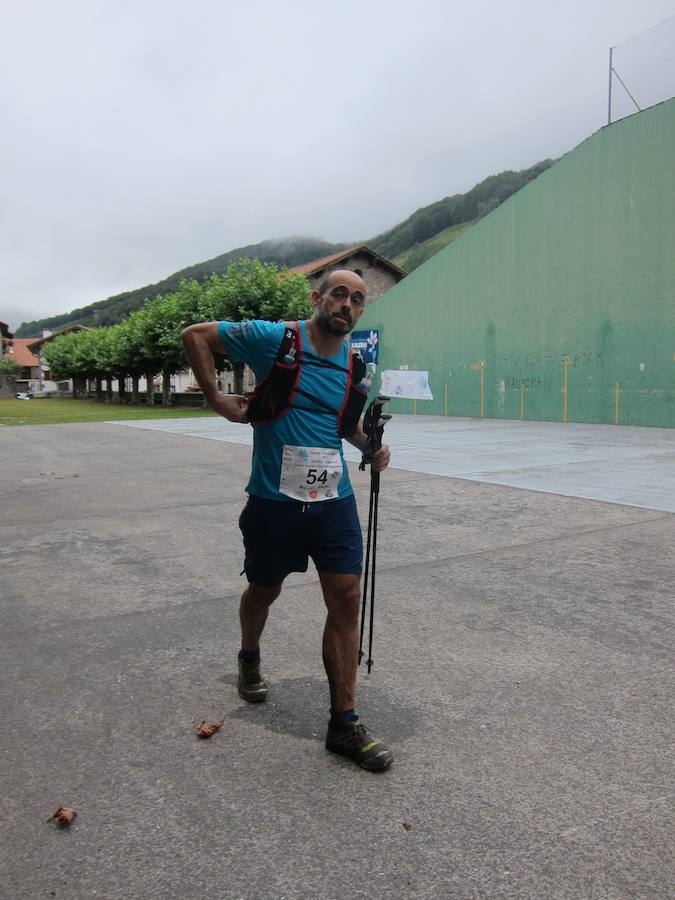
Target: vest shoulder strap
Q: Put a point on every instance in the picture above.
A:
(272, 396)
(276, 392)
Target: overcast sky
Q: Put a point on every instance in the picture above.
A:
(140, 137)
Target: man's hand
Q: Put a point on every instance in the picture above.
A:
(232, 407)
(380, 458)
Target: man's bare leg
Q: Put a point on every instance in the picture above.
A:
(346, 733)
(342, 595)
(253, 609)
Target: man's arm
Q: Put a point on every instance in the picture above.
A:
(201, 342)
(381, 457)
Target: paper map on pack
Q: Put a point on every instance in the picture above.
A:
(406, 384)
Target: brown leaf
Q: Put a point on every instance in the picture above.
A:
(63, 816)
(207, 729)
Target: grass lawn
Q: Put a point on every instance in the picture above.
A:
(52, 412)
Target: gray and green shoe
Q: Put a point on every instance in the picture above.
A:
(251, 684)
(353, 740)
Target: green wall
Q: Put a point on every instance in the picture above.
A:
(579, 264)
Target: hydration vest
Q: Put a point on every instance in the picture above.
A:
(279, 390)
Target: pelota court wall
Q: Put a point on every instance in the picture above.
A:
(559, 305)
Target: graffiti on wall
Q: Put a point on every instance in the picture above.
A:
(541, 372)
(524, 362)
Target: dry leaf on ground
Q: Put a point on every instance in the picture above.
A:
(207, 729)
(64, 816)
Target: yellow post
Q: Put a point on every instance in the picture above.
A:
(446, 399)
(481, 366)
(566, 365)
(482, 388)
(522, 402)
(617, 402)
(415, 365)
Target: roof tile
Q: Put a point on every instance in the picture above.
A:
(19, 352)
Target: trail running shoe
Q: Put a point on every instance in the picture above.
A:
(252, 686)
(355, 741)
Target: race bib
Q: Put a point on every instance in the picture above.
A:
(310, 474)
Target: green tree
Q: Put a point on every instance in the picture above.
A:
(9, 367)
(158, 325)
(127, 355)
(103, 358)
(149, 341)
(250, 289)
(72, 356)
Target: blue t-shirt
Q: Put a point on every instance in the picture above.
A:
(256, 343)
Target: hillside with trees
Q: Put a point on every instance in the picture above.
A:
(454, 212)
(408, 244)
(285, 253)
(148, 342)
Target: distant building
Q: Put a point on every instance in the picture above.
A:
(7, 382)
(379, 273)
(16, 349)
(6, 336)
(34, 345)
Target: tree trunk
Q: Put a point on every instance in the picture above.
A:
(121, 390)
(108, 385)
(149, 389)
(134, 390)
(99, 389)
(238, 370)
(166, 387)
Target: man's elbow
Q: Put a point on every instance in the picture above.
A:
(203, 335)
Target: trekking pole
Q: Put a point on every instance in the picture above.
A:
(373, 426)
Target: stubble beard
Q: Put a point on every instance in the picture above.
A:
(333, 326)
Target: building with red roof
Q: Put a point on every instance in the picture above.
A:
(378, 272)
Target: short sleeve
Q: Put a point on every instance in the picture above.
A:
(253, 342)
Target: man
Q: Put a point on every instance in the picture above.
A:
(300, 499)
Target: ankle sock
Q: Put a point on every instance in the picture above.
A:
(249, 656)
(344, 716)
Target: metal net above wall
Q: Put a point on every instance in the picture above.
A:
(642, 70)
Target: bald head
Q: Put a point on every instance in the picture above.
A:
(335, 275)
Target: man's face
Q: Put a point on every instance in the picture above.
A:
(340, 307)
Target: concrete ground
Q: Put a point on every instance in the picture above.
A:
(523, 673)
(632, 466)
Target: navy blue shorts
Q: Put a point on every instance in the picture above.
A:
(280, 536)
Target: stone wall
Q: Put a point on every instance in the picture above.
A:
(7, 386)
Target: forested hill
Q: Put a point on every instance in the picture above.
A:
(409, 245)
(452, 213)
(289, 252)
